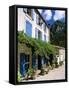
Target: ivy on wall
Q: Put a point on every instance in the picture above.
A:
(37, 46)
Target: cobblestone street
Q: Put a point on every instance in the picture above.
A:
(55, 74)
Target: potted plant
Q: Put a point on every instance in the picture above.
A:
(19, 77)
(31, 73)
(47, 70)
(56, 65)
(42, 71)
(61, 63)
(53, 65)
(33, 76)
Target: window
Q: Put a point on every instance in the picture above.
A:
(39, 20)
(44, 37)
(36, 33)
(28, 11)
(39, 35)
(44, 27)
(28, 28)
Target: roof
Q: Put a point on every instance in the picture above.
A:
(42, 17)
(59, 47)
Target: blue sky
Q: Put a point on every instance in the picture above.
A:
(52, 15)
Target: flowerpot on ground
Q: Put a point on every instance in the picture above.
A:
(33, 76)
(42, 71)
(53, 66)
(50, 67)
(61, 63)
(47, 70)
(31, 73)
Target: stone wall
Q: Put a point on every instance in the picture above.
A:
(22, 48)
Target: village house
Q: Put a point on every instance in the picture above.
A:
(32, 24)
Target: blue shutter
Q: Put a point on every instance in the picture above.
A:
(22, 65)
(28, 28)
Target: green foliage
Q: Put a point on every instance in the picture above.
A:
(56, 64)
(19, 77)
(30, 72)
(53, 65)
(37, 46)
(50, 49)
(61, 63)
(58, 33)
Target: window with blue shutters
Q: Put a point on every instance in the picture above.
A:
(28, 28)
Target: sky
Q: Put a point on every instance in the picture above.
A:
(52, 15)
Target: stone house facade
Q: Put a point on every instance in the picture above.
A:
(31, 23)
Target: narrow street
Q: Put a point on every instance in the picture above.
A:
(55, 74)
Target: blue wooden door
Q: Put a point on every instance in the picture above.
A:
(28, 28)
(22, 64)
